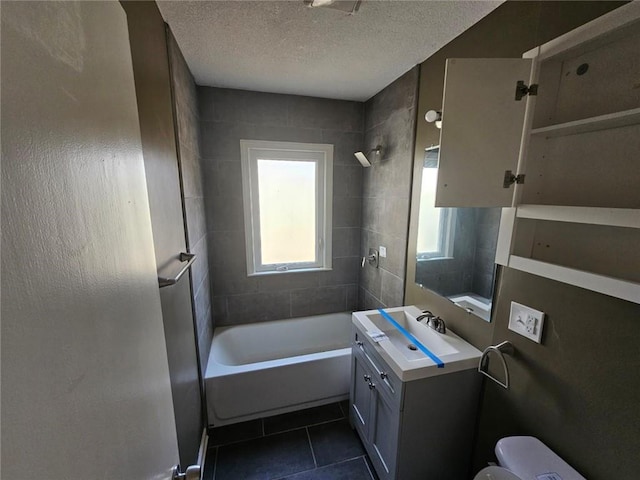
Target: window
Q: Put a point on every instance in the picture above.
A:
(287, 190)
(436, 231)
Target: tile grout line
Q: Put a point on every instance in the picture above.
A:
(305, 426)
(315, 463)
(292, 475)
(322, 467)
(264, 434)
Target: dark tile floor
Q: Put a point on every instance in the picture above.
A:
(313, 444)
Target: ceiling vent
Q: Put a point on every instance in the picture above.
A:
(347, 6)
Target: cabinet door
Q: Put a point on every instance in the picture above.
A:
(482, 127)
(361, 396)
(384, 434)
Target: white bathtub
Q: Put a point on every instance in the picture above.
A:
(474, 303)
(268, 368)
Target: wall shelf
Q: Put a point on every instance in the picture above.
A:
(598, 283)
(576, 218)
(592, 124)
(615, 217)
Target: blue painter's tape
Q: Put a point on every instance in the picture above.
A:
(413, 339)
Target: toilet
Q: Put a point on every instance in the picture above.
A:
(527, 458)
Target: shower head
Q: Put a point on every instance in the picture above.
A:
(362, 158)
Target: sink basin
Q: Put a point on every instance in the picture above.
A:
(412, 349)
(428, 337)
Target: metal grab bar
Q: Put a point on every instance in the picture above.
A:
(500, 349)
(184, 257)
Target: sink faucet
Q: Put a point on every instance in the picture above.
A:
(437, 324)
(425, 314)
(433, 321)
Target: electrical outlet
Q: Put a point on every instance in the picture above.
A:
(526, 321)
(383, 251)
(530, 324)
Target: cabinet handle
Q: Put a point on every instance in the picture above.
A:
(383, 375)
(367, 378)
(372, 386)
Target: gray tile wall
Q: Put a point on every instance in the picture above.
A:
(487, 226)
(389, 121)
(472, 267)
(186, 111)
(453, 275)
(226, 117)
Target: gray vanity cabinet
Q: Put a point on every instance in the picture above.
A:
(361, 393)
(413, 430)
(373, 415)
(384, 434)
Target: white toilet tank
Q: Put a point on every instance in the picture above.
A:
(530, 459)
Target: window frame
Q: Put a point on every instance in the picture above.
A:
(447, 217)
(322, 156)
(446, 237)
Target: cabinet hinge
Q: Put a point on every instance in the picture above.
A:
(510, 179)
(522, 89)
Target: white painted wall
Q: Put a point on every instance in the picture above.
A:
(85, 382)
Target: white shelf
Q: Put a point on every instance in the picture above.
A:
(614, 287)
(615, 217)
(583, 236)
(592, 124)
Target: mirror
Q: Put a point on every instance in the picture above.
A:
(456, 247)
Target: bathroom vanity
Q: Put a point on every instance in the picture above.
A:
(415, 418)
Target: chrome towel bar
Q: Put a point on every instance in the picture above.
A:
(499, 350)
(184, 257)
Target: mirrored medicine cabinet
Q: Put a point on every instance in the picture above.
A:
(456, 247)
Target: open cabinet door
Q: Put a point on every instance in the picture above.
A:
(482, 126)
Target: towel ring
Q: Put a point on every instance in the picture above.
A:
(500, 349)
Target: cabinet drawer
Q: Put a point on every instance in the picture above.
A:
(383, 377)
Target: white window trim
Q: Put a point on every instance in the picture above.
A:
(447, 225)
(322, 155)
(445, 239)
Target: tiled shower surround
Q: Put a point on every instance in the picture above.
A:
(226, 117)
(472, 267)
(390, 122)
(186, 110)
(370, 206)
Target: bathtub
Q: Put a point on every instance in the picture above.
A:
(268, 368)
(474, 303)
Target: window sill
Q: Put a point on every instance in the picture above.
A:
(434, 258)
(284, 272)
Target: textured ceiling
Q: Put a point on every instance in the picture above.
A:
(287, 47)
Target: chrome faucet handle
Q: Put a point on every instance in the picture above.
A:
(437, 324)
(425, 314)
